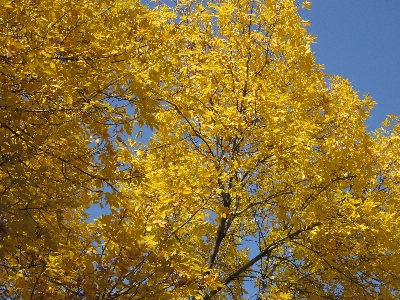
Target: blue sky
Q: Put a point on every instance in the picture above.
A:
(360, 40)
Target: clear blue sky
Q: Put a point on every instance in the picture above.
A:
(360, 40)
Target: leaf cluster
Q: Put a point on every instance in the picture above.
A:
(260, 173)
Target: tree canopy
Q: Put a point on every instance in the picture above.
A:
(260, 178)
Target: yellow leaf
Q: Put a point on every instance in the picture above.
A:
(306, 5)
(46, 53)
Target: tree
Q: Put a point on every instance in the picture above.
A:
(70, 74)
(260, 170)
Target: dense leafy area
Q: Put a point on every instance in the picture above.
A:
(259, 174)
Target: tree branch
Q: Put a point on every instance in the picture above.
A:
(265, 253)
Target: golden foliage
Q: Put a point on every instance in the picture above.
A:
(259, 167)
